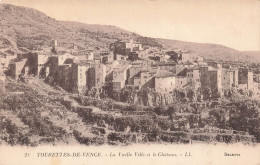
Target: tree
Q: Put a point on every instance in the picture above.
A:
(245, 117)
(172, 112)
(192, 95)
(158, 110)
(207, 93)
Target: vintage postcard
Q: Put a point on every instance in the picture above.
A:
(129, 82)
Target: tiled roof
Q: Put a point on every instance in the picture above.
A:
(164, 74)
(186, 63)
(183, 73)
(194, 68)
(68, 61)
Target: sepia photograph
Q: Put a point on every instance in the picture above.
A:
(149, 80)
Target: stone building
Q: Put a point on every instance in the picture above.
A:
(106, 57)
(215, 80)
(79, 77)
(215, 64)
(204, 77)
(36, 62)
(257, 78)
(235, 76)
(120, 76)
(133, 56)
(125, 47)
(185, 57)
(54, 61)
(134, 74)
(90, 55)
(181, 82)
(245, 76)
(118, 84)
(96, 76)
(227, 79)
(5, 60)
(211, 78)
(64, 77)
(119, 79)
(175, 56)
(181, 66)
(143, 77)
(256, 88)
(164, 81)
(16, 68)
(193, 77)
(147, 78)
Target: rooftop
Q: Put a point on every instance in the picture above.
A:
(122, 67)
(164, 64)
(127, 41)
(183, 73)
(17, 60)
(85, 62)
(185, 63)
(164, 74)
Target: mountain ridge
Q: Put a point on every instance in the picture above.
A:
(24, 29)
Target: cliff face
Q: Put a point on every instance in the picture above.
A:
(145, 97)
(158, 99)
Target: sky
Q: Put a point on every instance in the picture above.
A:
(233, 23)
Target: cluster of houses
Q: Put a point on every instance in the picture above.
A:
(182, 71)
(170, 76)
(126, 65)
(74, 73)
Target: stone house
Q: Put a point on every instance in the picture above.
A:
(193, 77)
(120, 76)
(215, 79)
(16, 68)
(125, 47)
(164, 81)
(245, 76)
(227, 79)
(96, 76)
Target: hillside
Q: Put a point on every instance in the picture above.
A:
(23, 29)
(253, 54)
(211, 51)
(30, 29)
(37, 114)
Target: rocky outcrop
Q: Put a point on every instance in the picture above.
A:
(146, 97)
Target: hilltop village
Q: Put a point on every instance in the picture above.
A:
(127, 65)
(139, 93)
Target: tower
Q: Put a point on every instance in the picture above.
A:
(54, 45)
